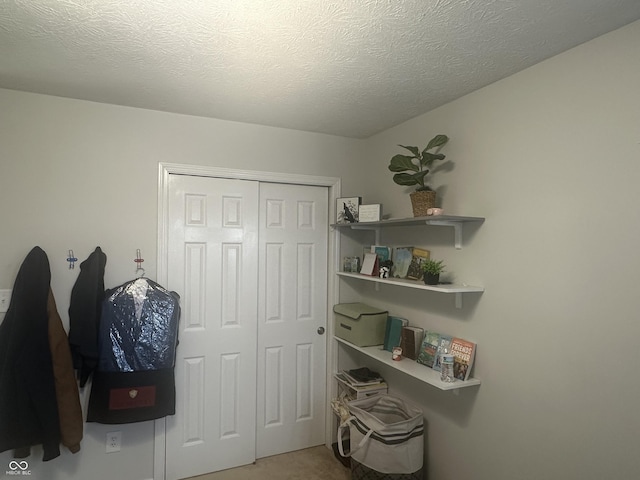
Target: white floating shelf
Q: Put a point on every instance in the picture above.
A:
(437, 220)
(420, 285)
(406, 222)
(458, 290)
(411, 367)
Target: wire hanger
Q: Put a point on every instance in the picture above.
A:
(139, 270)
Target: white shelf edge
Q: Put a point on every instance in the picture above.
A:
(411, 367)
(437, 220)
(443, 288)
(402, 222)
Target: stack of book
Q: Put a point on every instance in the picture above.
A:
(362, 382)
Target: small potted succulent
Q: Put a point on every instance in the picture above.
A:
(432, 270)
(412, 169)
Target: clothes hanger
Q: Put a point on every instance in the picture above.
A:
(139, 270)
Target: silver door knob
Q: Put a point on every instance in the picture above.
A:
(320, 330)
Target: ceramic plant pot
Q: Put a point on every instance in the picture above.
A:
(431, 279)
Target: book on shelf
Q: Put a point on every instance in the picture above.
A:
(393, 332)
(384, 253)
(362, 377)
(371, 386)
(358, 392)
(418, 257)
(429, 348)
(401, 260)
(411, 341)
(370, 265)
(444, 346)
(464, 353)
(344, 378)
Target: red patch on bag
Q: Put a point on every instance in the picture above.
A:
(132, 397)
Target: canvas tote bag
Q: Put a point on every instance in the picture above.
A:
(386, 436)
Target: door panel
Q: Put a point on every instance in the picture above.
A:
(291, 307)
(213, 266)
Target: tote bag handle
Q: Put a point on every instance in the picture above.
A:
(353, 449)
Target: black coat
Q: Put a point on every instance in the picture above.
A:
(28, 405)
(84, 314)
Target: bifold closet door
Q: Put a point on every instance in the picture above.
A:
(249, 260)
(213, 265)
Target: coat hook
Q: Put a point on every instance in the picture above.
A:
(72, 260)
(139, 260)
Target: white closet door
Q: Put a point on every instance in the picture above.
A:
(213, 265)
(292, 307)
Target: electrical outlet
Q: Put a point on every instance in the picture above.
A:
(5, 299)
(114, 440)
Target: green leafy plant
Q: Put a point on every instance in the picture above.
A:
(419, 163)
(433, 267)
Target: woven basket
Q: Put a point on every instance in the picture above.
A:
(422, 201)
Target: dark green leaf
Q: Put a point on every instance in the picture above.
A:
(400, 163)
(437, 141)
(414, 150)
(404, 179)
(420, 176)
(428, 158)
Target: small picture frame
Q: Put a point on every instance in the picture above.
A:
(347, 209)
(370, 213)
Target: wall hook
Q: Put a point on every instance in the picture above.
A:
(139, 260)
(72, 260)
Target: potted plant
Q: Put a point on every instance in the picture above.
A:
(412, 170)
(432, 270)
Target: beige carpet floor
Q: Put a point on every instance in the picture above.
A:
(317, 463)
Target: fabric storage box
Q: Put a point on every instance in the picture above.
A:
(360, 324)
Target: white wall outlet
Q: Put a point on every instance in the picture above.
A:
(114, 441)
(5, 299)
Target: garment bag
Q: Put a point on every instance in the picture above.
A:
(137, 340)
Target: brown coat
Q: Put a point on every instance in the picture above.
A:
(69, 409)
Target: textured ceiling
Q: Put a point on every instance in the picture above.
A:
(343, 67)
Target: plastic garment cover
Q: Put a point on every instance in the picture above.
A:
(138, 328)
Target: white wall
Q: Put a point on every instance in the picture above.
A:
(75, 175)
(551, 158)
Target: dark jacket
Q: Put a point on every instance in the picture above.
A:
(28, 405)
(84, 314)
